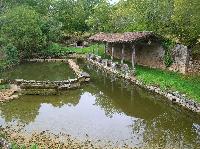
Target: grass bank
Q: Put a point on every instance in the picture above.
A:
(188, 85)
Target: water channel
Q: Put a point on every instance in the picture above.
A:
(106, 109)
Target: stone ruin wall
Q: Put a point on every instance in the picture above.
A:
(152, 56)
(180, 55)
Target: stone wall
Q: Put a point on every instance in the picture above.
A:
(181, 56)
(152, 55)
(33, 87)
(194, 66)
(174, 97)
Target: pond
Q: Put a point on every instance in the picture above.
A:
(109, 110)
(40, 71)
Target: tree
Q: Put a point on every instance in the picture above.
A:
(186, 21)
(21, 27)
(100, 20)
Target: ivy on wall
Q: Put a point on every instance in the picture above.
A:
(168, 45)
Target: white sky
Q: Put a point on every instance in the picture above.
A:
(113, 1)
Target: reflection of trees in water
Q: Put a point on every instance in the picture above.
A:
(168, 131)
(26, 108)
(47, 71)
(121, 97)
(159, 123)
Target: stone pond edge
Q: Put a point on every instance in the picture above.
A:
(174, 97)
(33, 87)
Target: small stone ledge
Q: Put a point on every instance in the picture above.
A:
(82, 76)
(46, 60)
(33, 87)
(174, 97)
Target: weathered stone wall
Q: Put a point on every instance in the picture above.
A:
(181, 56)
(146, 54)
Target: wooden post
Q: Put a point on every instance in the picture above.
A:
(133, 57)
(112, 52)
(105, 50)
(98, 50)
(123, 47)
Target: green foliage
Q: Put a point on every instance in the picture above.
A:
(31, 25)
(99, 20)
(4, 86)
(12, 55)
(9, 56)
(57, 50)
(21, 27)
(168, 58)
(16, 146)
(189, 85)
(168, 45)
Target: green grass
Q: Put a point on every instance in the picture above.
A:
(188, 85)
(167, 80)
(4, 86)
(59, 50)
(16, 146)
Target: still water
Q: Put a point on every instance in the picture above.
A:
(40, 71)
(106, 109)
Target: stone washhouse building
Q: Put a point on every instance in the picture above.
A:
(142, 48)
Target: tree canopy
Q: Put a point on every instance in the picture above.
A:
(45, 21)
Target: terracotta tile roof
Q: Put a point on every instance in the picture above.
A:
(120, 37)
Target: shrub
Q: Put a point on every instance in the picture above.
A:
(21, 26)
(12, 55)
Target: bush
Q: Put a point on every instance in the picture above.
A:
(12, 55)
(21, 26)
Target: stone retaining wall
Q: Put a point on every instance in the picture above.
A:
(33, 87)
(174, 97)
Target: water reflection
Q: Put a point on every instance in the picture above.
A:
(106, 109)
(39, 71)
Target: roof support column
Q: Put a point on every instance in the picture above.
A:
(97, 50)
(112, 52)
(123, 47)
(105, 50)
(133, 58)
